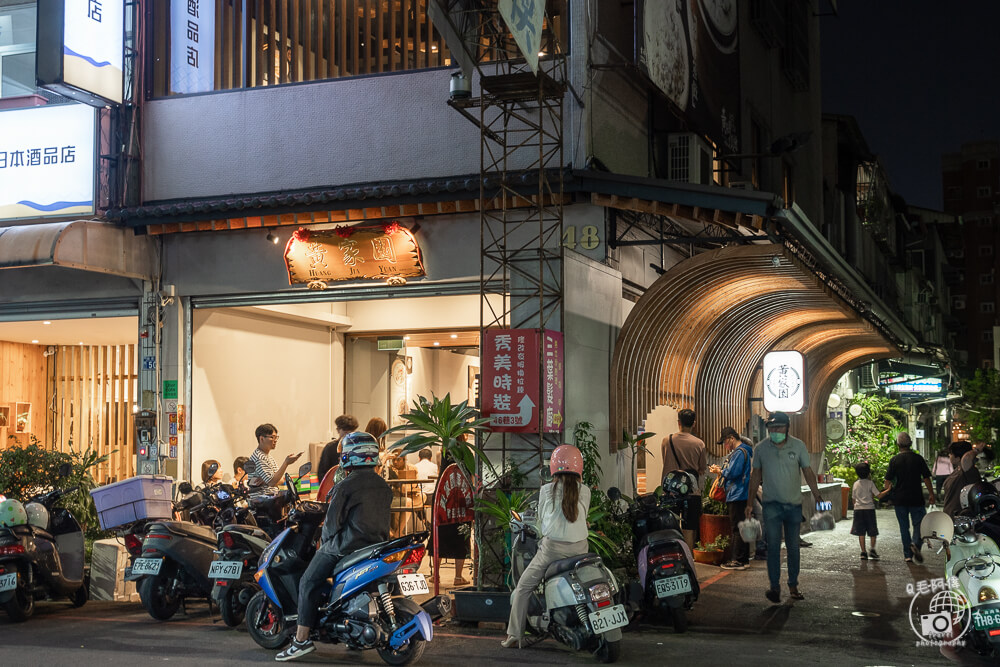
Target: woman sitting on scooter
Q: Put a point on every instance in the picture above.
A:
(562, 520)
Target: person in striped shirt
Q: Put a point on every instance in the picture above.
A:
(268, 473)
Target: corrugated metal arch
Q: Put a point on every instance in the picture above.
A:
(696, 338)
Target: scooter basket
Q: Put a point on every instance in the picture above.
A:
(139, 497)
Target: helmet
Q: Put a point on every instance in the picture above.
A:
(38, 516)
(357, 449)
(566, 458)
(679, 483)
(937, 525)
(979, 498)
(750, 530)
(12, 513)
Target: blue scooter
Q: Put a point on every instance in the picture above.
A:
(368, 606)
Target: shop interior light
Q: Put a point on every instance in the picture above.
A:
(273, 238)
(34, 341)
(406, 338)
(436, 343)
(46, 322)
(454, 335)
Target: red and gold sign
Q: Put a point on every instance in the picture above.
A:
(353, 253)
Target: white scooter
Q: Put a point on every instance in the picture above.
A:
(578, 599)
(973, 558)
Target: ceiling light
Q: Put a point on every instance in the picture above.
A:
(436, 343)
(34, 341)
(46, 322)
(406, 338)
(273, 238)
(81, 342)
(454, 335)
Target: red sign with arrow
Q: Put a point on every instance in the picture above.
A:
(512, 394)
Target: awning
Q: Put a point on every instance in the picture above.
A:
(87, 245)
(697, 337)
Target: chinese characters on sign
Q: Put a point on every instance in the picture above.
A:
(94, 10)
(784, 381)
(453, 501)
(81, 54)
(524, 19)
(512, 395)
(192, 46)
(353, 253)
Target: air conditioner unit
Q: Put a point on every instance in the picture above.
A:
(740, 185)
(689, 159)
(868, 376)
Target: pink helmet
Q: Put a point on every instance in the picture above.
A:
(566, 458)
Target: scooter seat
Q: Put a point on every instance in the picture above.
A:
(191, 530)
(252, 531)
(666, 535)
(566, 564)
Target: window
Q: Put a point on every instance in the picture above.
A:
(958, 302)
(987, 335)
(987, 307)
(787, 185)
(982, 164)
(985, 251)
(986, 278)
(756, 147)
(983, 191)
(236, 44)
(17, 50)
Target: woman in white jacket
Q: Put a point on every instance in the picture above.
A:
(562, 519)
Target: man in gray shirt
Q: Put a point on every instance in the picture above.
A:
(777, 462)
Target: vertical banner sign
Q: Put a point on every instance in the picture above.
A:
(47, 160)
(784, 381)
(93, 47)
(552, 381)
(192, 46)
(524, 19)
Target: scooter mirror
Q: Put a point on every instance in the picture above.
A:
(614, 493)
(185, 487)
(249, 467)
(212, 469)
(65, 469)
(305, 468)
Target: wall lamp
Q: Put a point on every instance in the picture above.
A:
(273, 238)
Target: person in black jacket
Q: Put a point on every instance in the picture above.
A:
(358, 516)
(331, 452)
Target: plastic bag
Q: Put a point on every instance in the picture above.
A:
(750, 530)
(822, 521)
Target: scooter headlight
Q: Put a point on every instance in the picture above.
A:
(600, 592)
(987, 594)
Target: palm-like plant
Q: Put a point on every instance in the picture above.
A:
(438, 422)
(635, 444)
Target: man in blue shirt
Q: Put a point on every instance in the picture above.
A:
(778, 462)
(736, 481)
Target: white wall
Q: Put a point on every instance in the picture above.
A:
(249, 370)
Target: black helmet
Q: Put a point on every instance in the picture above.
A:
(980, 498)
(679, 483)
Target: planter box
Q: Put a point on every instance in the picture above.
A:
(708, 557)
(712, 526)
(473, 605)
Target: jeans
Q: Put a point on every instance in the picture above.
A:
(778, 517)
(905, 515)
(737, 512)
(312, 583)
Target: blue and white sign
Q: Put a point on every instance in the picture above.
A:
(47, 161)
(916, 386)
(784, 381)
(192, 46)
(93, 47)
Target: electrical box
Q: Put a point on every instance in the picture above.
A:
(147, 462)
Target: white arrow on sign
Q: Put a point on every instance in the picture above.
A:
(522, 418)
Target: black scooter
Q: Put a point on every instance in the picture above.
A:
(38, 562)
(668, 585)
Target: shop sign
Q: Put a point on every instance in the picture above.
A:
(784, 381)
(910, 384)
(514, 397)
(385, 252)
(525, 19)
(453, 501)
(192, 46)
(47, 161)
(81, 49)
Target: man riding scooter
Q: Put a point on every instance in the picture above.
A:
(358, 516)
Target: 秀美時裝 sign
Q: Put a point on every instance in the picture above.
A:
(47, 161)
(784, 381)
(522, 380)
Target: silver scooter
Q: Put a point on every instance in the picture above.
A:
(577, 602)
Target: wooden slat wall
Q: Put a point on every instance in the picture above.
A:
(92, 392)
(23, 380)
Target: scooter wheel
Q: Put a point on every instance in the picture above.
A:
(230, 609)
(154, 593)
(266, 624)
(79, 597)
(21, 606)
(679, 618)
(609, 652)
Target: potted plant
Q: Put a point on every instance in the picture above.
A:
(714, 522)
(711, 553)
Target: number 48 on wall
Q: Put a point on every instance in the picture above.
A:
(588, 237)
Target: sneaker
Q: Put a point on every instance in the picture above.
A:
(803, 543)
(874, 554)
(295, 650)
(917, 556)
(734, 565)
(864, 555)
(773, 594)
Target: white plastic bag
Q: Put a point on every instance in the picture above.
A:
(822, 521)
(750, 530)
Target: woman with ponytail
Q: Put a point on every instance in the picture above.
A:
(562, 520)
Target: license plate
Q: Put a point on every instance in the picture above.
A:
(225, 569)
(983, 620)
(8, 582)
(672, 586)
(144, 566)
(603, 620)
(412, 584)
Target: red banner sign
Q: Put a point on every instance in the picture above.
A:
(513, 394)
(453, 502)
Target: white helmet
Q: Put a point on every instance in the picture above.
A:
(38, 516)
(12, 513)
(937, 525)
(750, 530)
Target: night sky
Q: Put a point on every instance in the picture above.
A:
(920, 76)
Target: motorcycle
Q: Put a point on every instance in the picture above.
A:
(576, 603)
(44, 557)
(239, 546)
(368, 605)
(667, 582)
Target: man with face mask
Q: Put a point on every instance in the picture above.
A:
(779, 461)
